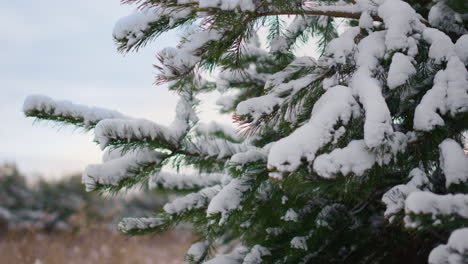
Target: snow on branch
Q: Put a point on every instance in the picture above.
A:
(428, 203)
(115, 172)
(341, 48)
(171, 181)
(378, 122)
(242, 5)
(140, 225)
(354, 158)
(283, 42)
(217, 129)
(177, 62)
(401, 21)
(454, 162)
(278, 85)
(45, 108)
(121, 132)
(216, 148)
(229, 198)
(144, 133)
(442, 48)
(136, 29)
(461, 48)
(394, 199)
(251, 155)
(455, 251)
(198, 251)
(441, 16)
(186, 116)
(401, 69)
(336, 105)
(256, 254)
(449, 95)
(192, 201)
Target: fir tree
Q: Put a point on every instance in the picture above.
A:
(353, 157)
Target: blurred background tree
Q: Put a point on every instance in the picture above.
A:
(52, 204)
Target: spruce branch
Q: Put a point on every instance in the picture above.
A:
(64, 112)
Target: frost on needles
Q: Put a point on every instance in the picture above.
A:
(354, 156)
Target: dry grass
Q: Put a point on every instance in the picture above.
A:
(92, 246)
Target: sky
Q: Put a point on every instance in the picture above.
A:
(64, 49)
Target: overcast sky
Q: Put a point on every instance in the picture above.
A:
(64, 49)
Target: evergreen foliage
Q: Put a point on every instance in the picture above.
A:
(353, 157)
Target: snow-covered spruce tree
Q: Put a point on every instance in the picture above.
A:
(352, 157)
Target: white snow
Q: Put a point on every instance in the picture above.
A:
(354, 158)
(461, 48)
(299, 242)
(89, 115)
(401, 21)
(458, 241)
(378, 123)
(176, 61)
(279, 78)
(277, 85)
(229, 198)
(337, 104)
(127, 225)
(112, 153)
(454, 162)
(365, 20)
(226, 102)
(128, 129)
(449, 95)
(219, 148)
(198, 250)
(133, 27)
(242, 5)
(340, 6)
(171, 181)
(192, 201)
(251, 155)
(441, 16)
(341, 47)
(185, 115)
(213, 128)
(290, 216)
(400, 70)
(441, 48)
(114, 171)
(439, 255)
(330, 82)
(145, 130)
(282, 42)
(255, 255)
(434, 204)
(394, 199)
(454, 252)
(258, 106)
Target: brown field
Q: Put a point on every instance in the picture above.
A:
(92, 246)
